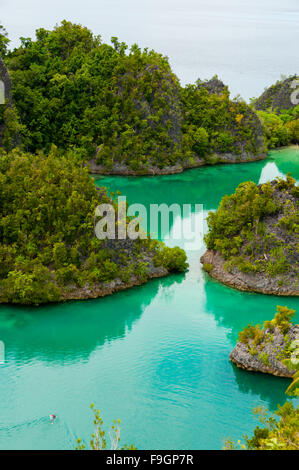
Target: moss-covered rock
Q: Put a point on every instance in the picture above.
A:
(269, 349)
(219, 129)
(278, 96)
(253, 238)
(9, 121)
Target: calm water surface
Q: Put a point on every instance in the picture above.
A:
(155, 356)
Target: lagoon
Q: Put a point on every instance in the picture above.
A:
(155, 356)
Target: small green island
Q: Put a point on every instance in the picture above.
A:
(252, 243)
(48, 249)
(272, 348)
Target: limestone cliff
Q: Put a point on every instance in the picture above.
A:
(278, 96)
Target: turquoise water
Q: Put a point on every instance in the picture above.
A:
(155, 356)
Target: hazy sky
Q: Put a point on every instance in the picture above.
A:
(248, 44)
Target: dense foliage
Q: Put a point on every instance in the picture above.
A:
(279, 431)
(118, 106)
(277, 337)
(280, 129)
(215, 124)
(255, 337)
(47, 241)
(282, 320)
(4, 41)
(279, 114)
(76, 92)
(256, 228)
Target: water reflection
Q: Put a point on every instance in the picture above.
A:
(72, 331)
(155, 356)
(206, 185)
(268, 388)
(269, 173)
(287, 160)
(234, 309)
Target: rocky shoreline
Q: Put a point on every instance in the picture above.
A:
(123, 170)
(104, 289)
(214, 264)
(265, 357)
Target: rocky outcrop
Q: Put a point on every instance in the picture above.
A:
(146, 101)
(5, 78)
(109, 288)
(125, 170)
(278, 96)
(268, 355)
(213, 86)
(261, 283)
(162, 108)
(9, 121)
(265, 258)
(161, 94)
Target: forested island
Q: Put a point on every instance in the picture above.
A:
(120, 111)
(75, 104)
(269, 348)
(48, 249)
(252, 243)
(123, 111)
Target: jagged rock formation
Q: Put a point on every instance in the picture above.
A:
(9, 121)
(270, 349)
(264, 357)
(253, 239)
(278, 96)
(240, 125)
(213, 86)
(5, 84)
(5, 78)
(149, 100)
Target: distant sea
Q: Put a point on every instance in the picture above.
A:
(248, 44)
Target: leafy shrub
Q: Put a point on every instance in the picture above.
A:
(47, 240)
(173, 259)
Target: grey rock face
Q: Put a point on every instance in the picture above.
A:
(277, 96)
(5, 102)
(213, 86)
(5, 79)
(147, 106)
(286, 283)
(267, 356)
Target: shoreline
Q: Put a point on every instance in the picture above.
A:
(123, 170)
(240, 281)
(98, 290)
(103, 290)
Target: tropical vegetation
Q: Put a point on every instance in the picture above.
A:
(47, 242)
(256, 229)
(279, 431)
(114, 105)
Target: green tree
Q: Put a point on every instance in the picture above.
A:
(276, 434)
(99, 440)
(4, 41)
